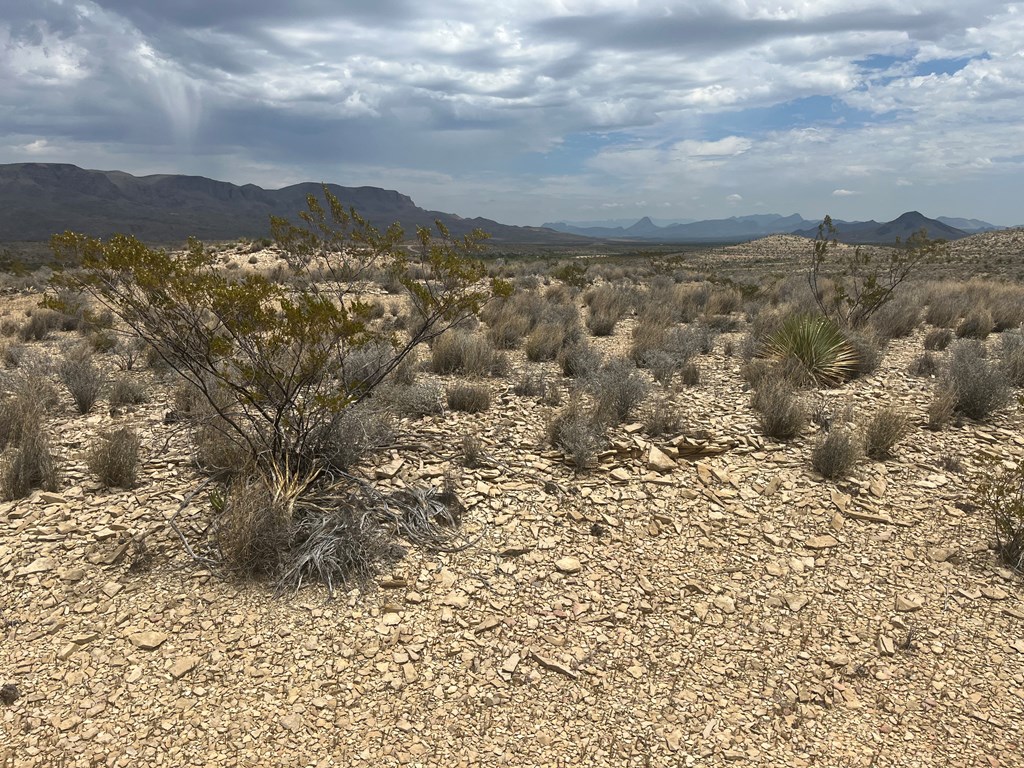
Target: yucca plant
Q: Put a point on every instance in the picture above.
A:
(816, 345)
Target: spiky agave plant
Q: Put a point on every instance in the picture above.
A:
(817, 348)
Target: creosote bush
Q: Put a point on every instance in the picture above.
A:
(270, 358)
(114, 460)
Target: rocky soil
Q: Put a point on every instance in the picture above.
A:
(697, 599)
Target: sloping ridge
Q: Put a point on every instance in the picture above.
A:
(901, 227)
(39, 199)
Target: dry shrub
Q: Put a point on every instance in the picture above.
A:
(1007, 305)
(618, 390)
(689, 375)
(979, 384)
(924, 365)
(780, 412)
(472, 451)
(664, 418)
(724, 301)
(579, 360)
(114, 460)
(977, 324)
(869, 351)
(937, 339)
(465, 353)
(40, 324)
(126, 391)
(531, 384)
(607, 305)
(469, 398)
(415, 400)
(357, 432)
(1000, 497)
(28, 465)
(887, 427)
(12, 354)
(1011, 354)
(545, 342)
(578, 432)
(897, 318)
(406, 371)
(82, 377)
(946, 305)
(942, 406)
(837, 452)
(253, 527)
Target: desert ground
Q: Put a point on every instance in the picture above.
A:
(698, 597)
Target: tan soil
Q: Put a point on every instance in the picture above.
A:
(738, 609)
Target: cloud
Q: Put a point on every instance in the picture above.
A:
(525, 111)
(844, 193)
(734, 198)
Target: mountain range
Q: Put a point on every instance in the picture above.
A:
(39, 199)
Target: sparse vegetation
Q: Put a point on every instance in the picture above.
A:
(836, 453)
(1000, 496)
(978, 384)
(618, 390)
(470, 398)
(884, 430)
(114, 460)
(780, 411)
(577, 431)
(82, 378)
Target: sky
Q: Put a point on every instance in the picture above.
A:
(527, 111)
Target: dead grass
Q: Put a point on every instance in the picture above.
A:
(780, 411)
(114, 460)
(837, 452)
(884, 430)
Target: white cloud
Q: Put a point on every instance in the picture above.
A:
(844, 193)
(734, 198)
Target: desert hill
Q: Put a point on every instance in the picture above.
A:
(39, 199)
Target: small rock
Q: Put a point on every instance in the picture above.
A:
(725, 604)
(39, 565)
(291, 722)
(885, 645)
(511, 663)
(821, 542)
(183, 666)
(659, 462)
(909, 602)
(940, 554)
(567, 564)
(620, 475)
(994, 593)
(795, 602)
(147, 641)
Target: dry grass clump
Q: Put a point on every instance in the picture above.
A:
(663, 418)
(869, 351)
(12, 354)
(924, 365)
(469, 398)
(114, 460)
(531, 384)
(40, 324)
(1006, 303)
(546, 341)
(1000, 497)
(835, 454)
(723, 301)
(977, 324)
(580, 359)
(780, 411)
(937, 339)
(979, 385)
(472, 451)
(688, 375)
(942, 406)
(253, 526)
(607, 305)
(1011, 354)
(884, 430)
(406, 371)
(510, 320)
(415, 400)
(578, 432)
(946, 305)
(356, 433)
(466, 353)
(898, 318)
(126, 391)
(618, 390)
(82, 378)
(27, 461)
